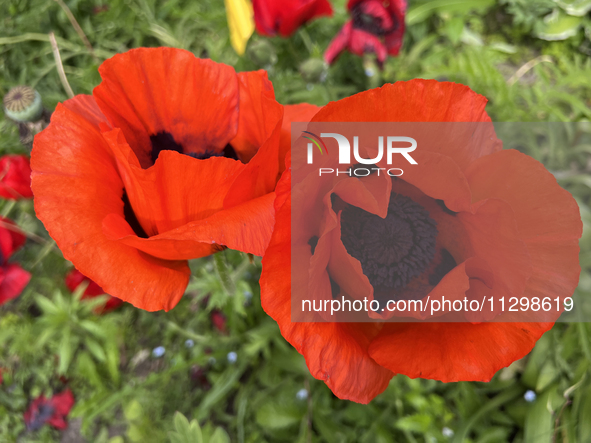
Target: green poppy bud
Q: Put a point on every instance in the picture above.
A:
(23, 104)
(313, 70)
(262, 53)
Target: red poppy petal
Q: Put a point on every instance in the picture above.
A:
(492, 235)
(454, 351)
(547, 217)
(245, 228)
(339, 43)
(15, 177)
(58, 422)
(302, 112)
(11, 238)
(76, 186)
(259, 114)
(260, 174)
(85, 106)
(147, 91)
(421, 101)
(295, 13)
(159, 195)
(62, 402)
(334, 352)
(13, 280)
(364, 42)
(439, 177)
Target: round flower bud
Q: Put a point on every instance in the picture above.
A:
(262, 53)
(23, 104)
(313, 70)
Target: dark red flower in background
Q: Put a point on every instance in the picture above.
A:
(52, 411)
(172, 158)
(75, 278)
(218, 319)
(376, 27)
(283, 17)
(15, 177)
(469, 220)
(13, 278)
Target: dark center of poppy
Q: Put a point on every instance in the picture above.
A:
(40, 416)
(368, 22)
(164, 141)
(394, 250)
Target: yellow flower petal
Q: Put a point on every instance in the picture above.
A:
(240, 22)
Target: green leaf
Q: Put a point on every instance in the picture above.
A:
(539, 422)
(133, 410)
(46, 305)
(277, 416)
(65, 352)
(577, 8)
(421, 12)
(95, 349)
(185, 432)
(584, 414)
(558, 26)
(219, 436)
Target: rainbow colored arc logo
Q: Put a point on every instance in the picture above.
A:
(315, 139)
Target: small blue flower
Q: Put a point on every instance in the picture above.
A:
(247, 295)
(189, 343)
(529, 396)
(232, 357)
(302, 394)
(158, 352)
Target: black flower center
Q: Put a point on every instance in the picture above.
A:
(369, 23)
(394, 250)
(164, 141)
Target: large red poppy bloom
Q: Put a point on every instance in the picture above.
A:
(13, 278)
(376, 27)
(171, 158)
(284, 17)
(504, 228)
(52, 411)
(15, 177)
(75, 278)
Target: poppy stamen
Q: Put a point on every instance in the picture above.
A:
(227, 152)
(164, 141)
(392, 250)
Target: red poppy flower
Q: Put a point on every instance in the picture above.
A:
(283, 17)
(52, 411)
(15, 177)
(75, 278)
(13, 278)
(171, 158)
(504, 227)
(376, 27)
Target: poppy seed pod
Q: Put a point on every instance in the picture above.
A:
(23, 104)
